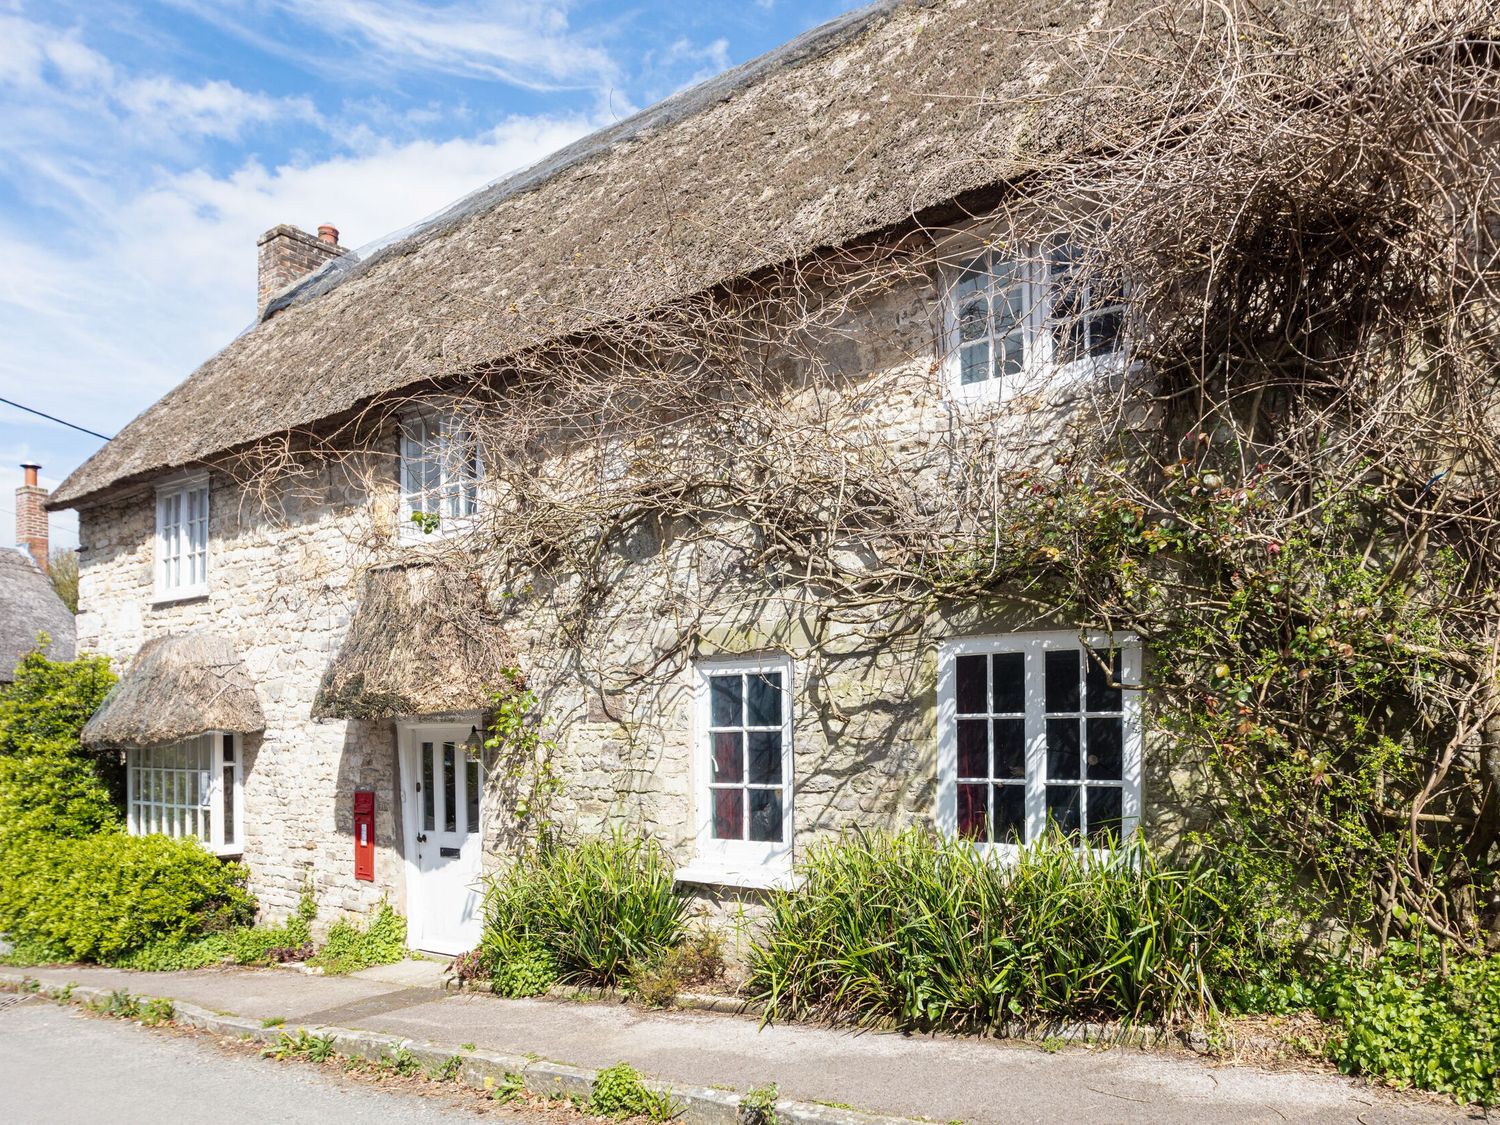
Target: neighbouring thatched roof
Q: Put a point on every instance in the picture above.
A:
(423, 640)
(848, 129)
(177, 687)
(28, 606)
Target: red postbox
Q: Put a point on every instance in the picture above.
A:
(364, 834)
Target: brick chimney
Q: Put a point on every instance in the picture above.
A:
(31, 517)
(284, 254)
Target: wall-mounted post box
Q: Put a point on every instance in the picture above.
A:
(364, 834)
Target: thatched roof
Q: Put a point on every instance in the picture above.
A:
(177, 686)
(849, 129)
(28, 606)
(423, 640)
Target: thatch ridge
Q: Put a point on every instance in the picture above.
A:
(423, 640)
(855, 128)
(177, 686)
(908, 105)
(30, 606)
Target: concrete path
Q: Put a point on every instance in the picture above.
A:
(59, 1067)
(940, 1078)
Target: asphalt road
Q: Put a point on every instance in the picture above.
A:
(58, 1065)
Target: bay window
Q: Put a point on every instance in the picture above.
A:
(189, 789)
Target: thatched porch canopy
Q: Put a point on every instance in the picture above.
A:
(423, 640)
(177, 686)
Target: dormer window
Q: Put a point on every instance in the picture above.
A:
(1014, 314)
(182, 538)
(440, 471)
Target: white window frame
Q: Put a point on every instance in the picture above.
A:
(1040, 364)
(148, 816)
(1035, 646)
(437, 424)
(742, 863)
(175, 549)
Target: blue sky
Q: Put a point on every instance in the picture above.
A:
(143, 147)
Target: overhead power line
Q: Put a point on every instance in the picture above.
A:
(59, 421)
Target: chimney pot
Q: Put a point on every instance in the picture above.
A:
(31, 517)
(329, 233)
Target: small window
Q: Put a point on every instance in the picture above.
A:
(745, 760)
(992, 301)
(189, 789)
(1020, 311)
(1086, 312)
(182, 538)
(1039, 730)
(440, 473)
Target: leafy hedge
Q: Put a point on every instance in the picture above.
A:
(73, 885)
(49, 784)
(104, 896)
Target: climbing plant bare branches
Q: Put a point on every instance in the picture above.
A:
(1236, 396)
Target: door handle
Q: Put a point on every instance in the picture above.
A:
(421, 837)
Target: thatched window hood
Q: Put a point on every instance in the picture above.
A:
(423, 640)
(177, 686)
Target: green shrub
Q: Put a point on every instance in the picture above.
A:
(925, 932)
(49, 701)
(106, 896)
(49, 784)
(619, 1092)
(758, 1105)
(158, 1010)
(1413, 1026)
(595, 906)
(698, 960)
(350, 947)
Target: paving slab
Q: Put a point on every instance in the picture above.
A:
(260, 993)
(941, 1078)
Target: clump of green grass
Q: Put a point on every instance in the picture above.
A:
(923, 931)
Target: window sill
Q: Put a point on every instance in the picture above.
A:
(409, 535)
(185, 594)
(763, 877)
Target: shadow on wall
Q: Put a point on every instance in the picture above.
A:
(367, 760)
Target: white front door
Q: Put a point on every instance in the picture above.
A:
(440, 790)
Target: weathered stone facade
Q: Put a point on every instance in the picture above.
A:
(282, 576)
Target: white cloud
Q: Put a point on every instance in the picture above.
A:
(168, 276)
(524, 42)
(212, 109)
